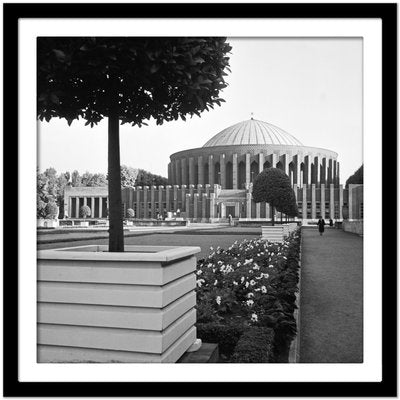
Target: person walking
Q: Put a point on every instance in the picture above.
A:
(321, 225)
(330, 222)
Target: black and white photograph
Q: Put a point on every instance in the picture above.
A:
(200, 200)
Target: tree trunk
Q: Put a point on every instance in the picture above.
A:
(273, 215)
(281, 217)
(116, 236)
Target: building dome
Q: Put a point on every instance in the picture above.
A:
(252, 132)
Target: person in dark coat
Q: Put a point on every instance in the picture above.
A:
(321, 226)
(330, 222)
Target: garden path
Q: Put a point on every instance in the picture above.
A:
(331, 303)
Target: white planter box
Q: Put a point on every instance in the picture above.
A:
(273, 233)
(96, 306)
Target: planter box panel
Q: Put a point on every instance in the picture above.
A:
(141, 341)
(96, 253)
(61, 354)
(138, 273)
(117, 295)
(115, 316)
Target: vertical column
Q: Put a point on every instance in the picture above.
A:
(297, 172)
(200, 170)
(313, 208)
(176, 197)
(77, 207)
(334, 172)
(248, 205)
(304, 205)
(92, 208)
(211, 170)
(208, 188)
(199, 190)
(258, 210)
(184, 171)
(350, 203)
(203, 207)
(187, 206)
(100, 207)
(191, 171)
(260, 162)
(307, 170)
(167, 197)
(170, 177)
(212, 205)
(195, 206)
(338, 173)
(323, 171)
(274, 160)
(284, 159)
(340, 201)
(317, 170)
(191, 190)
(85, 201)
(222, 170)
(138, 205)
(330, 171)
(267, 211)
(322, 200)
(223, 210)
(130, 194)
(234, 171)
(237, 209)
(183, 198)
(152, 202)
(247, 169)
(160, 200)
(145, 202)
(178, 174)
(332, 200)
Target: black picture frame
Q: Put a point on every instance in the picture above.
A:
(13, 387)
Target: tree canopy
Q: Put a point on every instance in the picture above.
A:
(138, 78)
(357, 177)
(128, 80)
(273, 186)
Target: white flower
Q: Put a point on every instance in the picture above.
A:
(199, 282)
(256, 267)
(254, 317)
(252, 282)
(211, 248)
(215, 283)
(249, 295)
(263, 289)
(218, 300)
(242, 279)
(199, 272)
(249, 302)
(247, 284)
(235, 283)
(270, 266)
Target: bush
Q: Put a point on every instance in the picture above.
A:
(51, 210)
(226, 336)
(85, 211)
(255, 346)
(130, 212)
(252, 283)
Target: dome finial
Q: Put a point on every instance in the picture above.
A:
(252, 114)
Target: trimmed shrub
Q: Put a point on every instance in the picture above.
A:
(51, 210)
(226, 336)
(85, 211)
(255, 346)
(130, 212)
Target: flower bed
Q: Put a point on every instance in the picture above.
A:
(251, 284)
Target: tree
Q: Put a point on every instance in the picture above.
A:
(146, 178)
(357, 177)
(273, 186)
(128, 80)
(75, 179)
(85, 211)
(51, 210)
(128, 176)
(130, 212)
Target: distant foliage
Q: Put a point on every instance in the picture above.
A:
(85, 211)
(146, 178)
(51, 210)
(357, 177)
(128, 176)
(130, 212)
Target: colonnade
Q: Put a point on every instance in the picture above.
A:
(97, 204)
(235, 171)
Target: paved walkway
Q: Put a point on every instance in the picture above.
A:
(331, 308)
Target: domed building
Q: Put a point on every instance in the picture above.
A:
(209, 183)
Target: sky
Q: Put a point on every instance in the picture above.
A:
(309, 87)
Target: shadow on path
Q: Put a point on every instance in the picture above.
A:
(331, 307)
